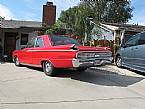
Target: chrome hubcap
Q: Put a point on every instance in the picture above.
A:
(119, 61)
(48, 67)
(17, 61)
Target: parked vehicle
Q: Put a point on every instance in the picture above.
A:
(51, 52)
(132, 53)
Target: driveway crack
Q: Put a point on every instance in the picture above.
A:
(71, 101)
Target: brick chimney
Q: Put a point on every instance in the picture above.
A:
(49, 14)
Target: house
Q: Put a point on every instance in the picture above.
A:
(114, 33)
(123, 31)
(16, 33)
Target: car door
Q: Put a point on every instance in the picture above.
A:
(26, 56)
(139, 51)
(128, 50)
(37, 53)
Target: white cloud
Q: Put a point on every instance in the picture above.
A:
(5, 12)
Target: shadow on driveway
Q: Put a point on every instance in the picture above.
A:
(98, 77)
(101, 77)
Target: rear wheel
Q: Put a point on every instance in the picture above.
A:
(16, 61)
(48, 69)
(118, 61)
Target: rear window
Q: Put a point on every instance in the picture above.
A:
(63, 40)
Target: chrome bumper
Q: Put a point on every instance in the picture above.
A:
(91, 62)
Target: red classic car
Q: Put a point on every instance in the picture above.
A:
(52, 52)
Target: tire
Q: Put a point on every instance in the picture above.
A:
(48, 69)
(16, 61)
(81, 69)
(118, 62)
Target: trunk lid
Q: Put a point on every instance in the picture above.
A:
(88, 48)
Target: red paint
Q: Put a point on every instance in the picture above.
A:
(60, 56)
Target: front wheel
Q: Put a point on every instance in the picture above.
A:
(118, 61)
(17, 62)
(48, 69)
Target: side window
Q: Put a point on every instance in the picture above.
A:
(133, 41)
(31, 43)
(39, 42)
(141, 40)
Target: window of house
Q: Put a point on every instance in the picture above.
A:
(39, 42)
(24, 39)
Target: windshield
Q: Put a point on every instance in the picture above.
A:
(63, 40)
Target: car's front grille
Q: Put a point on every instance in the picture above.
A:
(94, 54)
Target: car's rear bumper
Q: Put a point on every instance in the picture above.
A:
(91, 62)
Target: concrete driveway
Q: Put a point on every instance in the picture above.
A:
(106, 87)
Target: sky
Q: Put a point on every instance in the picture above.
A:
(32, 9)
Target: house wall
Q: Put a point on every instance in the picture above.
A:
(18, 37)
(2, 37)
(101, 34)
(107, 37)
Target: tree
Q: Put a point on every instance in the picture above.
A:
(57, 28)
(111, 11)
(75, 19)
